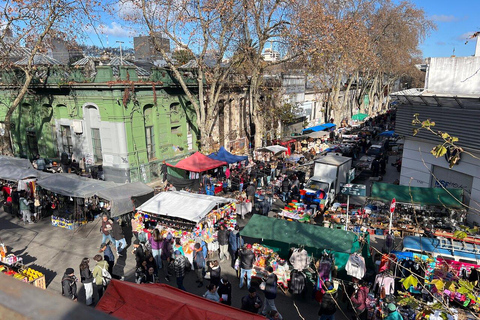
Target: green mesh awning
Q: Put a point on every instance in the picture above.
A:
(283, 235)
(451, 198)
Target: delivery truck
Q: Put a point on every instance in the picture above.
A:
(329, 172)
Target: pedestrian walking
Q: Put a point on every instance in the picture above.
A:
(222, 237)
(270, 292)
(179, 267)
(86, 277)
(69, 284)
(99, 283)
(156, 242)
(252, 302)
(225, 291)
(246, 257)
(198, 263)
(139, 252)
(166, 255)
(235, 242)
(215, 272)
(24, 206)
(108, 255)
(119, 237)
(328, 306)
(212, 293)
(106, 229)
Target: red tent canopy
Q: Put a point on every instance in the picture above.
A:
(127, 300)
(198, 162)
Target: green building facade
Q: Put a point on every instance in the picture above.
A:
(126, 125)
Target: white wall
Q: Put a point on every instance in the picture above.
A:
(456, 75)
(113, 137)
(417, 173)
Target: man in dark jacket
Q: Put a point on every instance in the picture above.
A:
(328, 307)
(138, 252)
(251, 302)
(179, 267)
(270, 292)
(285, 189)
(119, 237)
(106, 230)
(246, 257)
(250, 191)
(167, 252)
(222, 237)
(69, 284)
(225, 291)
(198, 263)
(236, 242)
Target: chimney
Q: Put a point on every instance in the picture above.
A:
(477, 47)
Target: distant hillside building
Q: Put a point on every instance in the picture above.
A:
(270, 55)
(145, 47)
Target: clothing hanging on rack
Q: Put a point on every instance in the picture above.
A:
(355, 266)
(386, 282)
(299, 259)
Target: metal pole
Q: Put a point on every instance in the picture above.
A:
(348, 208)
(121, 55)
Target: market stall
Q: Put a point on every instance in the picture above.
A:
(188, 216)
(13, 266)
(192, 168)
(284, 236)
(72, 197)
(223, 155)
(160, 301)
(125, 198)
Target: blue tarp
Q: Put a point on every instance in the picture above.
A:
(223, 155)
(433, 245)
(321, 127)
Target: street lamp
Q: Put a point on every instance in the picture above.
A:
(121, 56)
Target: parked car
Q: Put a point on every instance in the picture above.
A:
(365, 162)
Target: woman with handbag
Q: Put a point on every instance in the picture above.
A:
(86, 277)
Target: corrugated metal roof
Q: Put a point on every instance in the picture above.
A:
(460, 123)
(82, 61)
(39, 59)
(116, 62)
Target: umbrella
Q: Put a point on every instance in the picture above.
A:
(359, 116)
(390, 133)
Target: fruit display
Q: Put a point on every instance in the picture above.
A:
(32, 274)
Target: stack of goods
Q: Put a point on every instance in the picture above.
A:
(66, 223)
(267, 257)
(26, 275)
(296, 211)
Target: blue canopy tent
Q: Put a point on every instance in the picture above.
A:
(321, 127)
(223, 155)
(390, 133)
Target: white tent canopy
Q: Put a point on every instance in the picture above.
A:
(182, 204)
(275, 149)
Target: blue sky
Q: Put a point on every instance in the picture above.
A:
(455, 20)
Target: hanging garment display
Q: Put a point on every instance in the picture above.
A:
(355, 266)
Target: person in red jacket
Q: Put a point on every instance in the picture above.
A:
(359, 298)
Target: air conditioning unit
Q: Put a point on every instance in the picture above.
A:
(77, 126)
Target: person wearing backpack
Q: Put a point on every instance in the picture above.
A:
(101, 275)
(69, 284)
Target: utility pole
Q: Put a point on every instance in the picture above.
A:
(121, 56)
